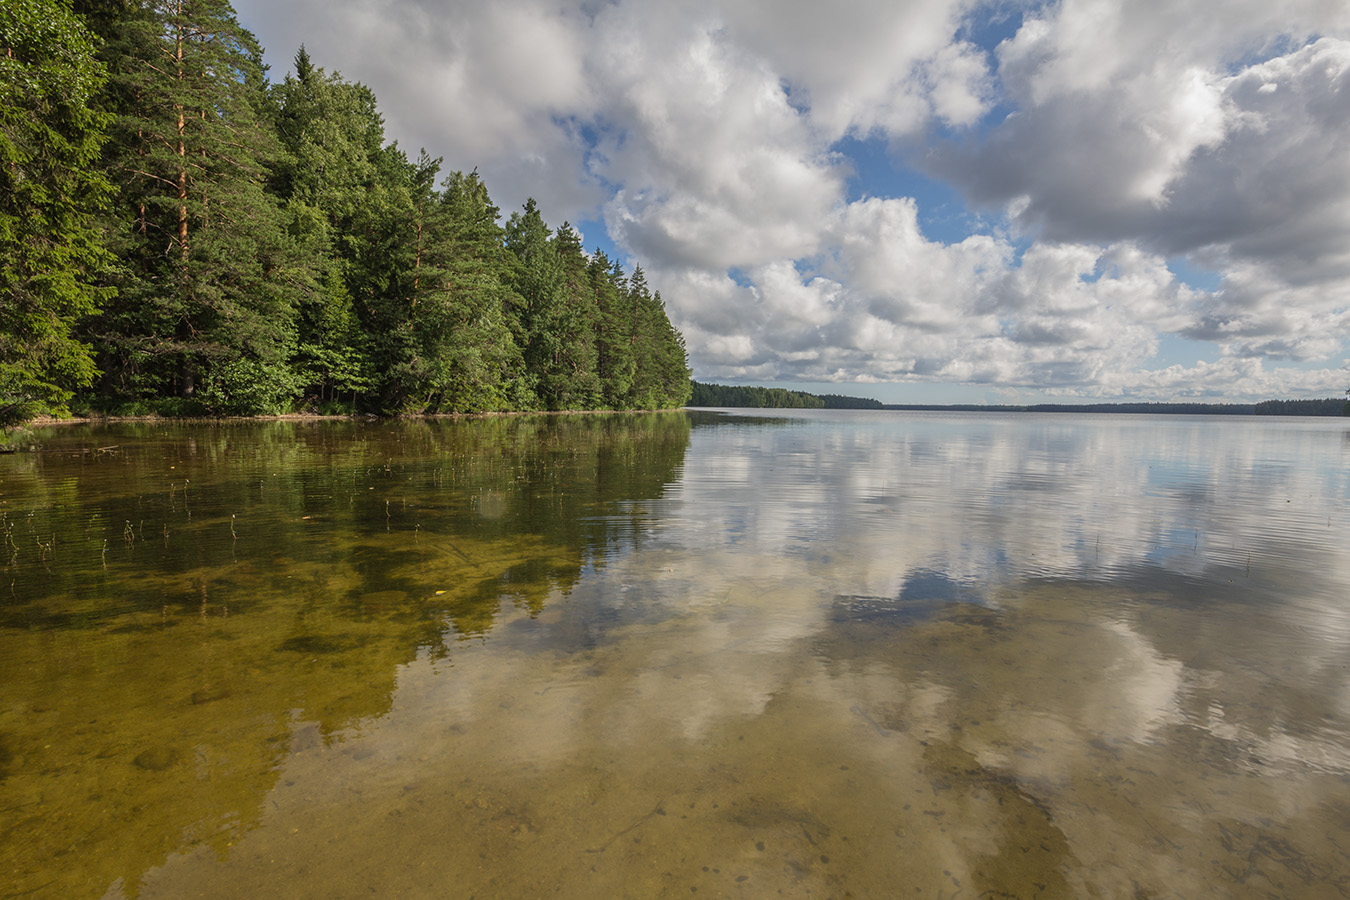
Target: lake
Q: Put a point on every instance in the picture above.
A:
(691, 654)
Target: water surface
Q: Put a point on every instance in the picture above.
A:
(823, 654)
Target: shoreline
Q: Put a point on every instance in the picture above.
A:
(44, 421)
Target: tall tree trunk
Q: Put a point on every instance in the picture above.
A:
(417, 260)
(206, 199)
(182, 145)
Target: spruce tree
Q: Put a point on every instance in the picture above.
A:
(537, 278)
(670, 359)
(572, 373)
(644, 393)
(615, 360)
(328, 131)
(382, 245)
(484, 369)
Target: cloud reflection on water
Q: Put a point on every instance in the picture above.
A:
(980, 653)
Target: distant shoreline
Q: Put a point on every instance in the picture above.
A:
(1213, 409)
(1332, 406)
(729, 396)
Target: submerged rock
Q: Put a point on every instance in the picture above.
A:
(209, 695)
(157, 759)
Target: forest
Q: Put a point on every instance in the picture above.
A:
(179, 235)
(748, 396)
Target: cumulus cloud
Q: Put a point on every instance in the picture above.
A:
(715, 167)
(1104, 138)
(1218, 146)
(861, 65)
(887, 300)
(1276, 190)
(1251, 165)
(1232, 377)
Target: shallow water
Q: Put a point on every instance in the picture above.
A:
(826, 654)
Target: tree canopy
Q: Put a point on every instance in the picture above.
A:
(179, 235)
(51, 188)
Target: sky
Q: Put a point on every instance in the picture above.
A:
(913, 200)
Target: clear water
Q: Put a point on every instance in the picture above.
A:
(828, 654)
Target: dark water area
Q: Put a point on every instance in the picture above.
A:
(702, 653)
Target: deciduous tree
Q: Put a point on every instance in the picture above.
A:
(50, 189)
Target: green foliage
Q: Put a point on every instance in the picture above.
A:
(50, 189)
(661, 370)
(771, 398)
(481, 366)
(842, 401)
(334, 137)
(249, 387)
(230, 247)
(616, 356)
(537, 279)
(1332, 406)
(751, 397)
(212, 265)
(576, 361)
(347, 189)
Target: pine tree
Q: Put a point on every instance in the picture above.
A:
(211, 266)
(268, 247)
(662, 381)
(641, 339)
(410, 263)
(338, 176)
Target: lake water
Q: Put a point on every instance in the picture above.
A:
(706, 654)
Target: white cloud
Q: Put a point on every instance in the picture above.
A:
(860, 64)
(703, 135)
(1231, 378)
(901, 307)
(958, 83)
(713, 166)
(1127, 132)
(1186, 159)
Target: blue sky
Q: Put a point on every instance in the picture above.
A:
(932, 201)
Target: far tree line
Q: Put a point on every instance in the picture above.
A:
(748, 396)
(180, 236)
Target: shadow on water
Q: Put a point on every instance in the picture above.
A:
(175, 608)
